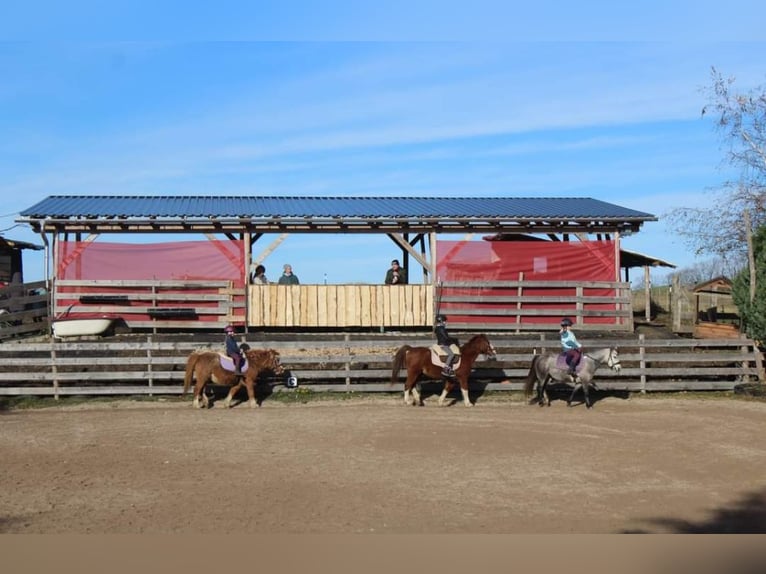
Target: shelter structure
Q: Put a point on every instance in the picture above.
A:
(233, 226)
(714, 309)
(11, 260)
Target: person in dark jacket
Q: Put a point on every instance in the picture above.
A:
(233, 350)
(448, 344)
(288, 277)
(396, 275)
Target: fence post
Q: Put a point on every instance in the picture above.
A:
(348, 363)
(149, 361)
(54, 369)
(642, 361)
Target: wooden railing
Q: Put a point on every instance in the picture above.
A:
(24, 310)
(524, 306)
(520, 306)
(362, 364)
(166, 305)
(340, 306)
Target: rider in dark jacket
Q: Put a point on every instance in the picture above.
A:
(233, 350)
(445, 341)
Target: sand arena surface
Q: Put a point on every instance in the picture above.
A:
(373, 465)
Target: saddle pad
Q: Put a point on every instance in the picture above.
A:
(227, 363)
(561, 363)
(438, 356)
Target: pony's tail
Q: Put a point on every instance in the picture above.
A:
(529, 382)
(191, 362)
(398, 363)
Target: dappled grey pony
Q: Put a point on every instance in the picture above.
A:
(553, 367)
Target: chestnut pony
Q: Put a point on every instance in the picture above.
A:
(417, 361)
(205, 366)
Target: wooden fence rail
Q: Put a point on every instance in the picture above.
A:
(23, 310)
(168, 305)
(154, 367)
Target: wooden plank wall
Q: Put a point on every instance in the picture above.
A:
(359, 364)
(340, 306)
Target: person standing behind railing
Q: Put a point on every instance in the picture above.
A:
(396, 275)
(288, 277)
(259, 276)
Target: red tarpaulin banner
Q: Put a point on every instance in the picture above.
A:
(185, 260)
(479, 262)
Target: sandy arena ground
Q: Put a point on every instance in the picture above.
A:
(372, 465)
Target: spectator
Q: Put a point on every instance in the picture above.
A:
(288, 277)
(259, 276)
(396, 275)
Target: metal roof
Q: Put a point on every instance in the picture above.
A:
(15, 244)
(163, 213)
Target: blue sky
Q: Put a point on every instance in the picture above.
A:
(613, 120)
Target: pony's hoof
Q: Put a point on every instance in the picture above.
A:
(252, 404)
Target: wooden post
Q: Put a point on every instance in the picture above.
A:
(54, 369)
(149, 361)
(642, 361)
(675, 302)
(519, 293)
(647, 294)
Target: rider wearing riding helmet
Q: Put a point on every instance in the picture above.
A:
(570, 345)
(448, 344)
(232, 349)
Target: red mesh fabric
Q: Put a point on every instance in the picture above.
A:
(189, 260)
(479, 262)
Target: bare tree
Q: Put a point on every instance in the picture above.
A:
(706, 270)
(741, 121)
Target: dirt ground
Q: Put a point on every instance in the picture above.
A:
(372, 465)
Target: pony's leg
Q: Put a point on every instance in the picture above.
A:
(232, 391)
(249, 385)
(578, 385)
(445, 391)
(545, 400)
(416, 401)
(587, 397)
(199, 390)
(464, 391)
(409, 392)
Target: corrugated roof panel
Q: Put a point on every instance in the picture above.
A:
(69, 206)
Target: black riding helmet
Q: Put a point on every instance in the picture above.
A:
(441, 318)
(566, 322)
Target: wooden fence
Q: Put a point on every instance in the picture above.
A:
(23, 310)
(149, 366)
(188, 305)
(169, 305)
(524, 306)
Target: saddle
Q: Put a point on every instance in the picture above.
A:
(438, 355)
(227, 364)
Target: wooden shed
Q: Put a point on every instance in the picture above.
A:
(716, 315)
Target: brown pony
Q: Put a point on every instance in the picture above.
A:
(204, 366)
(417, 361)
